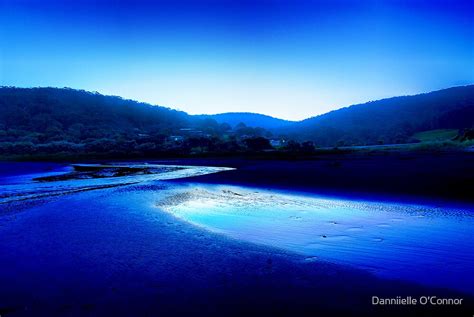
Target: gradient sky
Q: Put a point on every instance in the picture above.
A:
(289, 59)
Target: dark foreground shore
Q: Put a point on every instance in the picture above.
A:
(112, 252)
(435, 176)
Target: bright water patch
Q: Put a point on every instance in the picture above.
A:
(20, 186)
(428, 245)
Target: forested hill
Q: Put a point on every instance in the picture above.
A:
(67, 112)
(43, 121)
(53, 120)
(392, 120)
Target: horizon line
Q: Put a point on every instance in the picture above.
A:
(232, 112)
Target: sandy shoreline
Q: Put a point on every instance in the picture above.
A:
(120, 255)
(399, 175)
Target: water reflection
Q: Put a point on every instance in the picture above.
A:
(429, 245)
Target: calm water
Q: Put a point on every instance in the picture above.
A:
(421, 243)
(17, 180)
(425, 244)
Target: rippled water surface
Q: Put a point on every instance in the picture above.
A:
(426, 244)
(19, 181)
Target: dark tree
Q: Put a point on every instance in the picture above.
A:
(257, 144)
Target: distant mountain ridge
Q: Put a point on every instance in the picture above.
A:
(250, 119)
(390, 120)
(63, 119)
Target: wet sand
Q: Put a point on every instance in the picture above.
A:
(411, 242)
(114, 252)
(410, 175)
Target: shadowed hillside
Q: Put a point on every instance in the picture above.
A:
(55, 113)
(45, 121)
(392, 120)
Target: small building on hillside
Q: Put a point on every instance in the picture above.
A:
(176, 138)
(277, 143)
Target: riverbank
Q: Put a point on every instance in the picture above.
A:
(112, 252)
(413, 172)
(408, 175)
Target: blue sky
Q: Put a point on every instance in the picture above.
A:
(289, 59)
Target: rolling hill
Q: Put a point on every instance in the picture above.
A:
(53, 120)
(393, 120)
